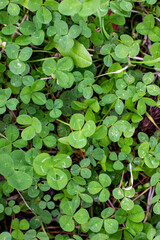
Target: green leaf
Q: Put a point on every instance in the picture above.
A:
(28, 133)
(95, 224)
(43, 15)
(127, 204)
(67, 223)
(25, 95)
(27, 27)
(42, 163)
(65, 64)
(5, 236)
(49, 66)
(100, 236)
(105, 180)
(66, 43)
(77, 139)
(57, 179)
(12, 133)
(87, 92)
(150, 161)
(9, 29)
(55, 113)
(17, 66)
(16, 180)
(25, 54)
(114, 134)
(141, 107)
(65, 79)
(50, 141)
(33, 5)
(70, 7)
(121, 50)
(81, 216)
(148, 78)
(108, 99)
(119, 106)
(3, 4)
(36, 124)
(17, 234)
(94, 187)
(118, 193)
(89, 128)
(100, 133)
(153, 90)
(136, 214)
(62, 161)
(155, 178)
(78, 53)
(12, 51)
(12, 103)
(6, 165)
(104, 195)
(143, 149)
(24, 225)
(77, 121)
(146, 26)
(61, 27)
(98, 154)
(110, 226)
(37, 37)
(156, 208)
(24, 119)
(39, 98)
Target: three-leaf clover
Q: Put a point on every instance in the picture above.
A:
(95, 187)
(53, 168)
(34, 126)
(110, 225)
(69, 207)
(6, 102)
(60, 70)
(33, 93)
(17, 65)
(54, 107)
(78, 138)
(87, 85)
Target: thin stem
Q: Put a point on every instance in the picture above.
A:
(142, 193)
(118, 71)
(63, 122)
(25, 201)
(101, 70)
(151, 61)
(42, 59)
(42, 226)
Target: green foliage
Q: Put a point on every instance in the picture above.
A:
(79, 125)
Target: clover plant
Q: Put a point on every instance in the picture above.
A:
(79, 119)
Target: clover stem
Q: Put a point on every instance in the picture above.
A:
(41, 59)
(43, 228)
(91, 208)
(101, 71)
(63, 122)
(149, 62)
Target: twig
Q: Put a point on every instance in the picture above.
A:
(150, 196)
(141, 194)
(121, 179)
(111, 204)
(25, 202)
(4, 137)
(118, 71)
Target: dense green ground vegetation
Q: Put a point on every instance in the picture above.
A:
(79, 119)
